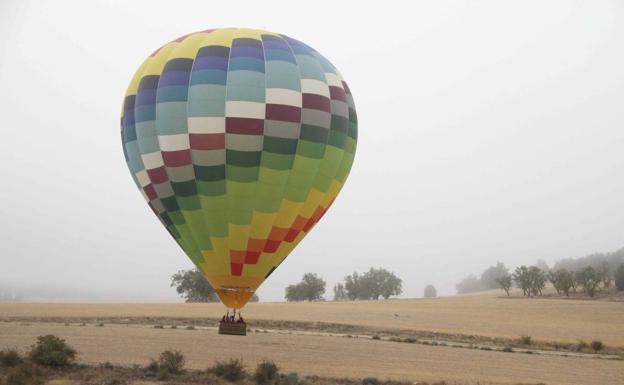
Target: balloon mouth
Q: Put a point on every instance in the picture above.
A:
(234, 297)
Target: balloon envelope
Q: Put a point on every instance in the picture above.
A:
(239, 140)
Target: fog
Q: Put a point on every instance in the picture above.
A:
(488, 131)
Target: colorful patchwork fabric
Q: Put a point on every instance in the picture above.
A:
(239, 140)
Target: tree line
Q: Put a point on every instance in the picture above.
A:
(371, 285)
(588, 274)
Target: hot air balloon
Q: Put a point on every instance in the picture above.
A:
(239, 140)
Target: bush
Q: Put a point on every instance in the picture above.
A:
(430, 291)
(52, 351)
(525, 340)
(370, 381)
(171, 361)
(24, 375)
(232, 370)
(376, 337)
(266, 373)
(508, 349)
(410, 340)
(597, 346)
(290, 379)
(581, 345)
(153, 366)
(10, 358)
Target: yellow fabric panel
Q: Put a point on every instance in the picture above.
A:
(222, 37)
(261, 224)
(311, 203)
(238, 235)
(188, 47)
(287, 213)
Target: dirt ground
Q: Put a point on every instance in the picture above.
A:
(319, 355)
(485, 315)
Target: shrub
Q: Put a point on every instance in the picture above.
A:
(581, 345)
(10, 358)
(597, 346)
(410, 340)
(153, 366)
(370, 381)
(266, 373)
(158, 327)
(232, 370)
(525, 340)
(171, 361)
(23, 375)
(190, 327)
(430, 291)
(376, 337)
(290, 379)
(52, 351)
(508, 349)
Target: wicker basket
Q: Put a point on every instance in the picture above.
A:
(233, 328)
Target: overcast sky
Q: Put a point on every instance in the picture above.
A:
(488, 131)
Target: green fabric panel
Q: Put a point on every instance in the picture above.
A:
(279, 145)
(241, 174)
(209, 173)
(337, 139)
(188, 202)
(242, 158)
(184, 189)
(214, 188)
(277, 161)
(314, 134)
(273, 176)
(244, 189)
(310, 149)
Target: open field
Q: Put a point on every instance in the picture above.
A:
(129, 337)
(484, 315)
(320, 355)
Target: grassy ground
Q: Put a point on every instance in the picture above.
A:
(128, 337)
(566, 321)
(320, 355)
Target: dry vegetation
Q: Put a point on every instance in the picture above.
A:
(484, 315)
(128, 336)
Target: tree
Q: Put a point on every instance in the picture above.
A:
(619, 278)
(470, 284)
(430, 291)
(504, 282)
(604, 274)
(490, 275)
(193, 287)
(522, 279)
(311, 288)
(590, 279)
(553, 277)
(373, 284)
(537, 280)
(542, 265)
(562, 280)
(340, 294)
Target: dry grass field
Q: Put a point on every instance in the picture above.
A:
(321, 355)
(484, 315)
